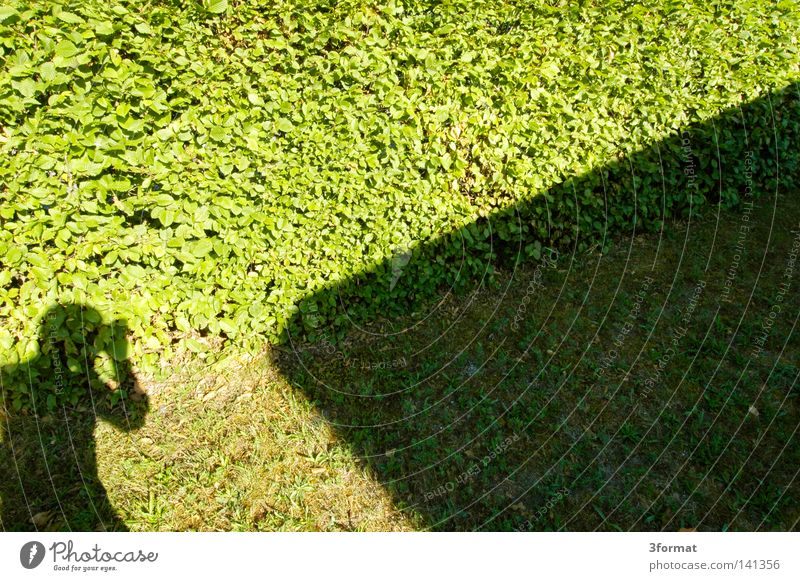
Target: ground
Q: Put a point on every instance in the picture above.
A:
(625, 390)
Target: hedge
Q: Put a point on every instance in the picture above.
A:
(198, 169)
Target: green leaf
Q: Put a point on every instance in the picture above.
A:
(202, 247)
(92, 316)
(47, 71)
(119, 349)
(283, 124)
(26, 87)
(7, 13)
(216, 6)
(69, 17)
(196, 346)
(218, 133)
(66, 49)
(228, 326)
(104, 28)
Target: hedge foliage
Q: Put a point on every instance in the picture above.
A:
(199, 168)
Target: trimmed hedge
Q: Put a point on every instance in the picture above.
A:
(198, 169)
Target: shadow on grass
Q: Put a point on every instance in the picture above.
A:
(47, 455)
(566, 388)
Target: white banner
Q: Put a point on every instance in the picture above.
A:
(349, 556)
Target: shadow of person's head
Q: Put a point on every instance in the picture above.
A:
(83, 363)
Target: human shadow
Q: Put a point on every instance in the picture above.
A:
(448, 402)
(51, 403)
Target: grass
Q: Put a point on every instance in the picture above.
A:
(241, 452)
(567, 396)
